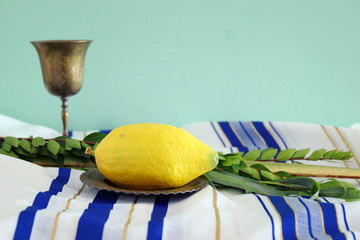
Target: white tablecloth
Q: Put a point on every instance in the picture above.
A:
(52, 203)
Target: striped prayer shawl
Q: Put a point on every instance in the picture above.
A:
(71, 210)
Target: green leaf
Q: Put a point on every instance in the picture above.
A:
(10, 153)
(34, 149)
(268, 154)
(339, 155)
(231, 158)
(53, 147)
(316, 155)
(259, 166)
(73, 143)
(283, 174)
(266, 175)
(248, 185)
(226, 163)
(95, 146)
(233, 155)
(85, 145)
(38, 142)
(252, 155)
(339, 189)
(329, 154)
(76, 152)
(12, 141)
(301, 153)
(43, 151)
(63, 151)
(244, 168)
(330, 183)
(315, 189)
(25, 144)
(23, 152)
(255, 174)
(95, 137)
(6, 146)
(245, 171)
(235, 168)
(62, 138)
(299, 182)
(67, 147)
(297, 186)
(347, 156)
(286, 154)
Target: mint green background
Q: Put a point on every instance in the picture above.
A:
(178, 62)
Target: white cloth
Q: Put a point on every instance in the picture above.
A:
(51, 203)
(16, 128)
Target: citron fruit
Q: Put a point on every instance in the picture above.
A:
(151, 156)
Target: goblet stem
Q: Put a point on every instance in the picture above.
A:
(64, 116)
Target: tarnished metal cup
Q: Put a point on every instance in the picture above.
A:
(62, 65)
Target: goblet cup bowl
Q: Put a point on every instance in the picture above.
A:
(62, 65)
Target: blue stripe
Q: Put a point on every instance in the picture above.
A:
(244, 135)
(308, 217)
(278, 135)
(287, 215)
(330, 221)
(70, 133)
(270, 141)
(346, 223)
(105, 131)
(92, 221)
(248, 135)
(254, 135)
(268, 213)
(155, 226)
(26, 218)
(316, 219)
(212, 124)
(235, 142)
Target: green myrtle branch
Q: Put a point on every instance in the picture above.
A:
(259, 164)
(266, 169)
(257, 171)
(56, 152)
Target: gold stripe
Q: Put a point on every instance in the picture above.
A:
(237, 136)
(129, 217)
(356, 159)
(333, 143)
(226, 138)
(279, 217)
(217, 215)
(259, 135)
(66, 208)
(335, 146)
(296, 219)
(277, 143)
(322, 220)
(328, 135)
(347, 145)
(337, 220)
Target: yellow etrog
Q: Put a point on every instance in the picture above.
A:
(151, 156)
